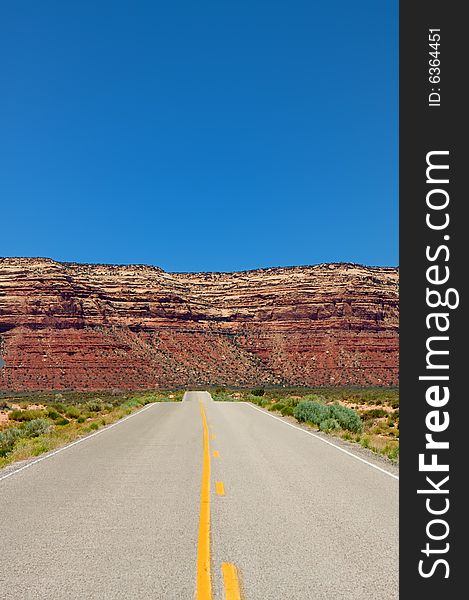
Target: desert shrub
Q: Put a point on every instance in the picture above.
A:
(292, 401)
(4, 405)
(315, 412)
(52, 414)
(255, 399)
(329, 425)
(392, 452)
(117, 401)
(40, 447)
(81, 419)
(347, 418)
(263, 402)
(72, 412)
(62, 421)
(374, 413)
(223, 398)
(309, 410)
(8, 439)
(58, 406)
(94, 405)
(287, 411)
(36, 427)
(258, 392)
(276, 406)
(365, 442)
(315, 398)
(94, 426)
(26, 415)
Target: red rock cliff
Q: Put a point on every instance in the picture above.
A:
(66, 325)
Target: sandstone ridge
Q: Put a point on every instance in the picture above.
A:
(79, 326)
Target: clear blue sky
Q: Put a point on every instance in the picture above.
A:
(200, 135)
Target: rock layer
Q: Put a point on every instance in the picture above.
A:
(76, 326)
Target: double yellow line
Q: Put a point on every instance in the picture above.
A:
(204, 577)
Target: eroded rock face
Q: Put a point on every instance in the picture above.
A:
(74, 326)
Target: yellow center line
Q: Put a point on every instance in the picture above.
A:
(216, 454)
(220, 488)
(230, 580)
(204, 580)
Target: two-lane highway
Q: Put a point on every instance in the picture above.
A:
(200, 497)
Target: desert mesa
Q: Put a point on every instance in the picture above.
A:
(92, 326)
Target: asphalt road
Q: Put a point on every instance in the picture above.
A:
(120, 515)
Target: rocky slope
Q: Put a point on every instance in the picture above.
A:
(66, 325)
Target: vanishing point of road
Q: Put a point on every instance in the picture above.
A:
(200, 499)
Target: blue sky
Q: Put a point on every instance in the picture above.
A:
(209, 135)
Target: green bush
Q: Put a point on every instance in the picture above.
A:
(374, 413)
(287, 411)
(72, 412)
(94, 426)
(277, 406)
(81, 419)
(347, 418)
(258, 392)
(222, 398)
(392, 452)
(292, 401)
(311, 411)
(315, 398)
(131, 403)
(36, 427)
(58, 406)
(316, 413)
(26, 415)
(52, 414)
(94, 405)
(329, 425)
(256, 400)
(62, 421)
(8, 439)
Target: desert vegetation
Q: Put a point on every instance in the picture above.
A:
(33, 424)
(367, 416)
